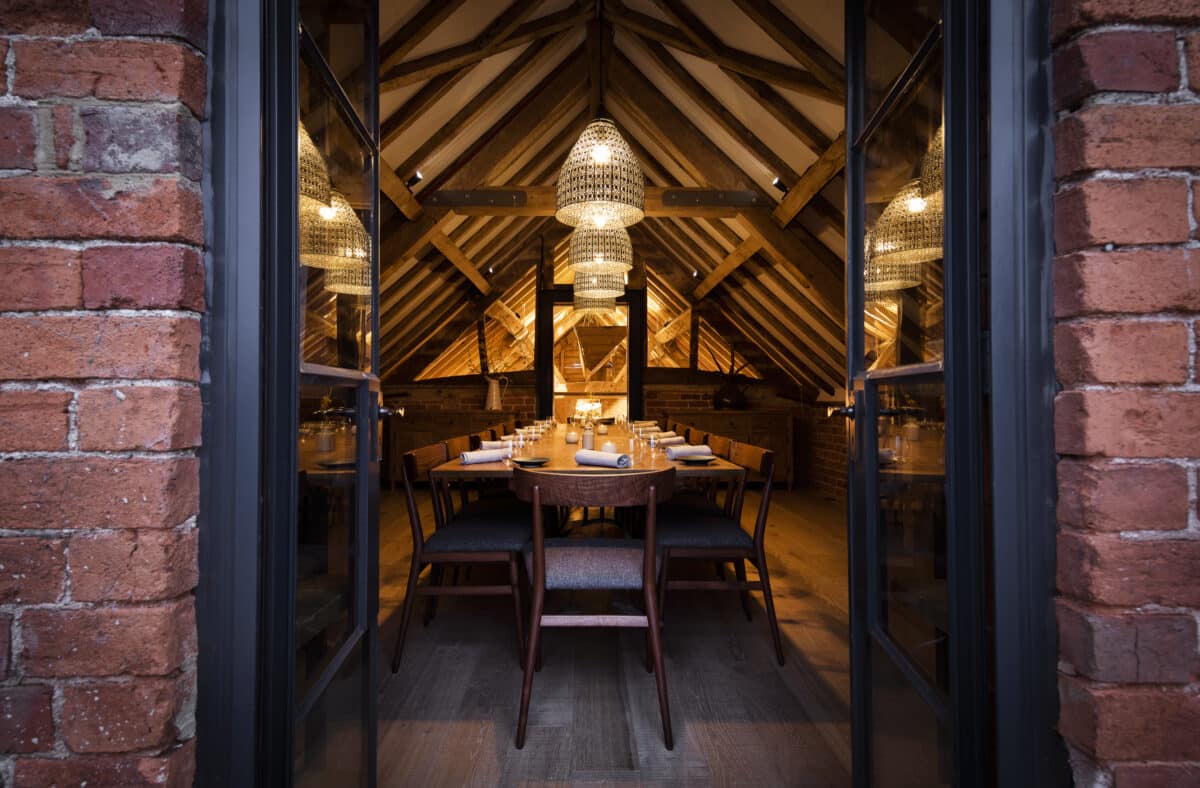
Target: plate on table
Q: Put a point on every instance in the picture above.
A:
(697, 460)
(531, 462)
(337, 465)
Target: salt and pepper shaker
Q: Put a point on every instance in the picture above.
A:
(589, 438)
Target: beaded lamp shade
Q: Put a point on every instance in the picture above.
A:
(908, 233)
(601, 183)
(594, 306)
(880, 278)
(332, 236)
(314, 176)
(595, 250)
(350, 281)
(594, 284)
(932, 166)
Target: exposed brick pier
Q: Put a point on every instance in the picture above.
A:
(101, 291)
(1127, 294)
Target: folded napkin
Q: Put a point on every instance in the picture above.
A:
(512, 437)
(675, 440)
(490, 455)
(493, 444)
(667, 434)
(676, 452)
(651, 423)
(607, 459)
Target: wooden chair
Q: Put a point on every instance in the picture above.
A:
(720, 445)
(678, 427)
(602, 564)
(696, 437)
(716, 534)
(474, 536)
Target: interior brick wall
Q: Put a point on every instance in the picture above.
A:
(101, 292)
(1127, 419)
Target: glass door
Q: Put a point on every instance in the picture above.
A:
(321, 515)
(919, 526)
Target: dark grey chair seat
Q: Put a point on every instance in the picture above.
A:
(574, 564)
(480, 534)
(701, 528)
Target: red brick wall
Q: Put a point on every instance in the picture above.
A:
(101, 235)
(1127, 294)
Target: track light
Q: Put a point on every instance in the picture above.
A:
(695, 274)
(778, 184)
(417, 177)
(491, 270)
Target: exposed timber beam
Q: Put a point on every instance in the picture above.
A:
(418, 27)
(661, 201)
(747, 249)
(807, 52)
(397, 191)
(505, 32)
(762, 68)
(459, 260)
(815, 178)
(432, 92)
(677, 326)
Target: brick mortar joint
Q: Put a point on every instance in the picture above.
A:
(84, 245)
(15, 608)
(182, 314)
(92, 35)
(102, 454)
(185, 527)
(1119, 27)
(90, 384)
(1141, 174)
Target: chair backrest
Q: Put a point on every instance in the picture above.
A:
(458, 444)
(720, 445)
(695, 437)
(416, 465)
(587, 488)
(761, 461)
(496, 430)
(479, 437)
(678, 427)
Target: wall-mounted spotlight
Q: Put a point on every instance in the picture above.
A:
(778, 184)
(491, 270)
(417, 177)
(695, 274)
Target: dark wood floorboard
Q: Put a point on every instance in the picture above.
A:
(448, 717)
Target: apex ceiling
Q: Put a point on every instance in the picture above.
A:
(722, 94)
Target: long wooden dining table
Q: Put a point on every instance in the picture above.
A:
(553, 445)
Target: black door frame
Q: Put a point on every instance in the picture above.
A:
(229, 716)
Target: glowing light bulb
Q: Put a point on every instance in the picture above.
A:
(915, 204)
(599, 219)
(327, 211)
(602, 154)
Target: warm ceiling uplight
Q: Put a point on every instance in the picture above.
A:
(601, 183)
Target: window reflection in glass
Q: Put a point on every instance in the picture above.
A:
(591, 361)
(903, 247)
(335, 235)
(326, 514)
(895, 31)
(341, 31)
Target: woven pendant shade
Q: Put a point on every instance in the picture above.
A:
(601, 183)
(933, 165)
(594, 306)
(350, 281)
(605, 251)
(598, 285)
(314, 176)
(882, 277)
(908, 233)
(332, 236)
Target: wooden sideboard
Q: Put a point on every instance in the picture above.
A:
(769, 429)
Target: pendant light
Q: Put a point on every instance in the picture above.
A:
(333, 236)
(596, 250)
(355, 280)
(594, 306)
(596, 284)
(601, 183)
(313, 174)
(907, 234)
(933, 165)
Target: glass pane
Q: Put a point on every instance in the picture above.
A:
(895, 31)
(336, 227)
(912, 524)
(331, 742)
(903, 275)
(325, 528)
(342, 32)
(910, 748)
(591, 362)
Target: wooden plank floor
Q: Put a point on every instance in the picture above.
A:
(448, 717)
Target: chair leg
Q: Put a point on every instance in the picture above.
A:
(664, 576)
(660, 676)
(514, 581)
(435, 579)
(410, 596)
(719, 568)
(531, 656)
(769, 602)
(740, 567)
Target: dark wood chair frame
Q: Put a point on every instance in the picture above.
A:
(565, 488)
(752, 459)
(417, 464)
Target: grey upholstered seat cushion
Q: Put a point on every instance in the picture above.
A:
(482, 529)
(576, 564)
(700, 528)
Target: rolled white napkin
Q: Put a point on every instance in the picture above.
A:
(489, 455)
(650, 423)
(512, 437)
(667, 434)
(676, 452)
(674, 440)
(493, 444)
(607, 459)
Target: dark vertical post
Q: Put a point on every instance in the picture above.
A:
(694, 340)
(481, 338)
(637, 338)
(543, 334)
